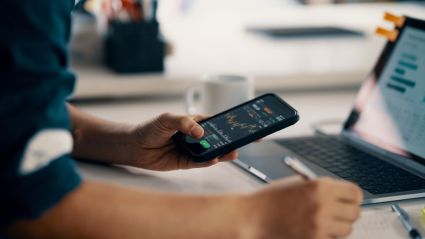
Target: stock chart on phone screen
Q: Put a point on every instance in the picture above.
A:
(236, 124)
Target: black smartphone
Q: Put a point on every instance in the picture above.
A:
(237, 127)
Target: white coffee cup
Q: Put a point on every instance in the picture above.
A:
(218, 93)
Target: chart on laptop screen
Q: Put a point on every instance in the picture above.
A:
(395, 113)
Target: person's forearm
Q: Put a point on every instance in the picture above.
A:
(104, 211)
(98, 139)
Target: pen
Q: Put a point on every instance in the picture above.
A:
(259, 174)
(298, 167)
(405, 220)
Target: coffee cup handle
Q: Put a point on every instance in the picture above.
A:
(190, 99)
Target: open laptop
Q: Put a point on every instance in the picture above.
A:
(382, 144)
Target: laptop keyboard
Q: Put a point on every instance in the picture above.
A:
(369, 172)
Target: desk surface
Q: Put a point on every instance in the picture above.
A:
(225, 177)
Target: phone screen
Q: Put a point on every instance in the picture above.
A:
(240, 122)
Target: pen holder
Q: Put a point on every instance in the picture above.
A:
(134, 47)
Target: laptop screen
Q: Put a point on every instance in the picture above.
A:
(390, 108)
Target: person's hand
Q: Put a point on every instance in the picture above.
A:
(298, 209)
(153, 148)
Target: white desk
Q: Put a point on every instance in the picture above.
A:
(224, 177)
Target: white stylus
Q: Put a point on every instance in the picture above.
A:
(298, 167)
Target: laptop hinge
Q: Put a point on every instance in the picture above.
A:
(399, 161)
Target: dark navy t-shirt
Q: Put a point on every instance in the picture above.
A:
(36, 170)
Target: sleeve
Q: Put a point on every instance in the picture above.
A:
(36, 170)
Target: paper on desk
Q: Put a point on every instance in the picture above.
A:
(383, 223)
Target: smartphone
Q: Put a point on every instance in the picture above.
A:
(237, 127)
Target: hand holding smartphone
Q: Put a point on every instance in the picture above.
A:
(237, 127)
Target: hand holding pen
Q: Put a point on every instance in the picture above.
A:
(339, 200)
(301, 169)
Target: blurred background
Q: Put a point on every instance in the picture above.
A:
(137, 59)
(287, 45)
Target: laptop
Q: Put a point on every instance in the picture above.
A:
(382, 143)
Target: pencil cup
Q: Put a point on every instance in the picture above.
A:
(134, 47)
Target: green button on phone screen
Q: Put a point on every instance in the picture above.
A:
(205, 144)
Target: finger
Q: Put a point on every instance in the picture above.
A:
(198, 118)
(340, 229)
(345, 212)
(229, 157)
(204, 164)
(187, 163)
(185, 124)
(348, 192)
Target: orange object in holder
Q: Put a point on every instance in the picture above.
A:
(391, 35)
(397, 20)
